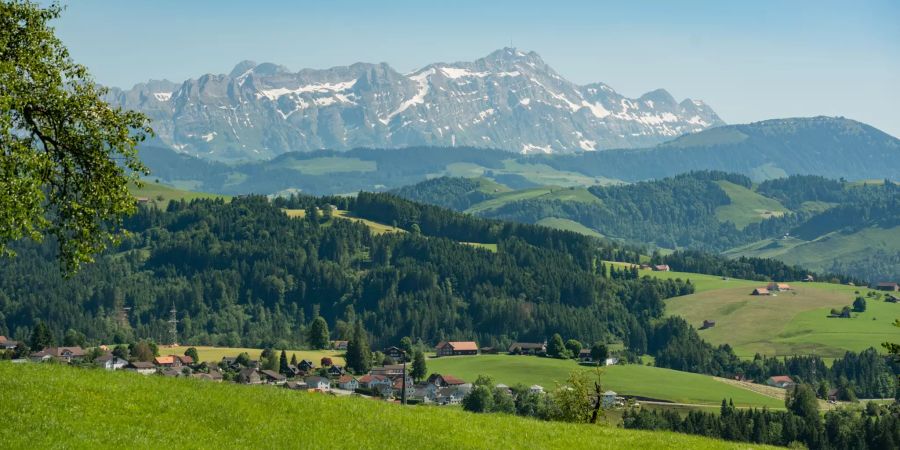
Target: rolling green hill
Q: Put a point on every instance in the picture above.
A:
(746, 206)
(53, 406)
(633, 380)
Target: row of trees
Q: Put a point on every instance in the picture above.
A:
(874, 427)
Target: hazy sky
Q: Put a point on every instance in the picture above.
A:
(749, 61)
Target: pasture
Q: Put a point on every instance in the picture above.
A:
(632, 380)
(59, 406)
(793, 322)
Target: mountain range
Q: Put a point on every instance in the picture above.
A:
(826, 146)
(509, 100)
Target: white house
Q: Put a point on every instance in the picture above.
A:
(142, 367)
(319, 383)
(536, 389)
(609, 399)
(111, 362)
(348, 383)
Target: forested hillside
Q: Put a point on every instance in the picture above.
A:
(244, 273)
(783, 218)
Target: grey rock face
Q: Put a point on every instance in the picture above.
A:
(508, 100)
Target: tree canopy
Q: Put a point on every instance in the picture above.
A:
(66, 156)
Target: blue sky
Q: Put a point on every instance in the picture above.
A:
(749, 60)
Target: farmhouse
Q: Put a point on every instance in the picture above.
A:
(348, 383)
(809, 279)
(536, 389)
(7, 344)
(296, 385)
(272, 377)
(395, 353)
(392, 370)
(173, 361)
(780, 381)
(248, 376)
(306, 365)
(319, 383)
(887, 286)
(760, 291)
(584, 355)
(213, 375)
(488, 350)
(67, 354)
(374, 382)
(142, 367)
(454, 348)
(778, 287)
(444, 380)
(339, 345)
(335, 371)
(528, 348)
(661, 268)
(110, 362)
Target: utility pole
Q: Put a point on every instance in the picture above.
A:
(173, 325)
(403, 391)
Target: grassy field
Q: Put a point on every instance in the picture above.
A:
(216, 353)
(489, 247)
(56, 406)
(701, 282)
(568, 225)
(327, 165)
(818, 254)
(793, 322)
(746, 206)
(644, 381)
(375, 227)
(541, 193)
(540, 174)
(160, 194)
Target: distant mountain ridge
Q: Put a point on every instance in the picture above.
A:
(825, 146)
(509, 100)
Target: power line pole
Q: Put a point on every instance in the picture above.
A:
(173, 325)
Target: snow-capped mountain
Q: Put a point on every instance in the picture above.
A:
(509, 100)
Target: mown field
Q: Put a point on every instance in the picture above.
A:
(746, 206)
(215, 354)
(160, 194)
(632, 380)
(60, 407)
(375, 227)
(794, 322)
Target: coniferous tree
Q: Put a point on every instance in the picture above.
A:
(359, 355)
(556, 347)
(319, 337)
(419, 366)
(283, 364)
(41, 337)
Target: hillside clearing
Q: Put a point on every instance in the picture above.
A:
(568, 225)
(62, 406)
(746, 206)
(160, 194)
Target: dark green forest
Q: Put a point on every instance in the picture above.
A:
(680, 212)
(244, 273)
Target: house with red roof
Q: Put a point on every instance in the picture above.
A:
(456, 348)
(780, 381)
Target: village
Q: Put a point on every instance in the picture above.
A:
(390, 382)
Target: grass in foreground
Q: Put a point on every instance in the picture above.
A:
(644, 381)
(54, 406)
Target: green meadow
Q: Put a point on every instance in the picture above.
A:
(63, 407)
(793, 322)
(633, 380)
